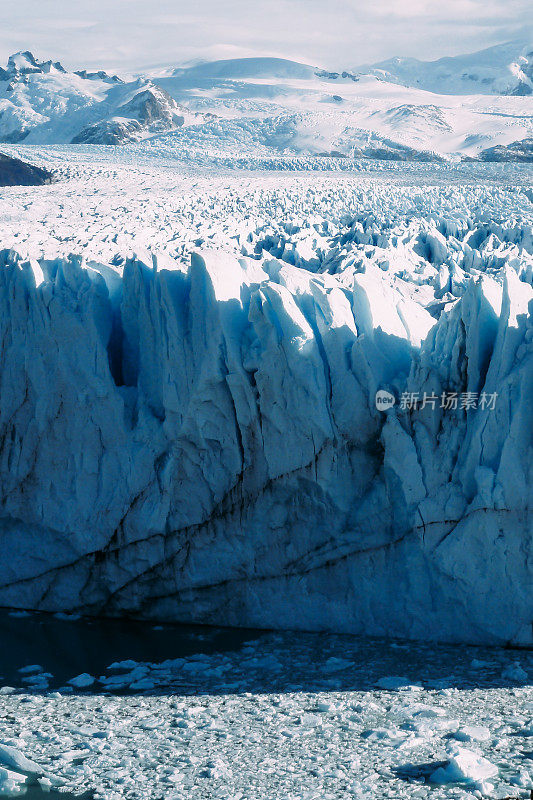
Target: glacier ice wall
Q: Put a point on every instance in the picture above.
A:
(203, 445)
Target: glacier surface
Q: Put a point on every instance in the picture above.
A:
(195, 437)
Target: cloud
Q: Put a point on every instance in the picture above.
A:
(130, 34)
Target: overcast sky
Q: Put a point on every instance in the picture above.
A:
(134, 34)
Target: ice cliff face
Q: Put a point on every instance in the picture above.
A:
(205, 446)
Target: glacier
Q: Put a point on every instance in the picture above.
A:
(266, 368)
(200, 442)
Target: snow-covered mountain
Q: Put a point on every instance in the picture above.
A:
(502, 69)
(42, 102)
(236, 69)
(272, 106)
(301, 109)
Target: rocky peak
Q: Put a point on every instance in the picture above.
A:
(101, 75)
(24, 63)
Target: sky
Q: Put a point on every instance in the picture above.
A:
(130, 35)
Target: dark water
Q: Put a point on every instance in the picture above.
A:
(68, 647)
(276, 662)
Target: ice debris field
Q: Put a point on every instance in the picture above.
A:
(276, 715)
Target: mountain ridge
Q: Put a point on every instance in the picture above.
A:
(40, 101)
(279, 105)
(505, 68)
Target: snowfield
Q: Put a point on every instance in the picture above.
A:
(191, 432)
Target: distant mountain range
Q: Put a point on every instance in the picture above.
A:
(502, 69)
(474, 106)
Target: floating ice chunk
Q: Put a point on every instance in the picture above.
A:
(485, 788)
(36, 682)
(412, 743)
(217, 769)
(387, 735)
(82, 681)
(524, 779)
(30, 668)
(114, 682)
(126, 665)
(479, 664)
(472, 733)
(138, 673)
(194, 666)
(428, 712)
(394, 683)
(363, 790)
(10, 784)
(515, 672)
(13, 759)
(427, 727)
(142, 685)
(310, 720)
(74, 755)
(465, 766)
(334, 664)
(325, 706)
